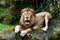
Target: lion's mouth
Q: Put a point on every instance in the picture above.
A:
(27, 21)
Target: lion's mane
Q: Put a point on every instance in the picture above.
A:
(21, 22)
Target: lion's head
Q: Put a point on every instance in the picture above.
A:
(28, 17)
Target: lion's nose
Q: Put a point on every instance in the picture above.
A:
(27, 17)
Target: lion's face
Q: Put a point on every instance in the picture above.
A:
(27, 15)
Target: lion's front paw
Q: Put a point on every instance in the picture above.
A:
(17, 28)
(22, 33)
(45, 28)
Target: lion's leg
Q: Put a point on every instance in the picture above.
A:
(46, 23)
(24, 32)
(18, 28)
(37, 26)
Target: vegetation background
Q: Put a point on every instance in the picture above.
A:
(10, 14)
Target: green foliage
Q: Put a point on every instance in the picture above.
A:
(14, 8)
(7, 19)
(55, 36)
(9, 3)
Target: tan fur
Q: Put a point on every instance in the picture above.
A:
(40, 17)
(37, 20)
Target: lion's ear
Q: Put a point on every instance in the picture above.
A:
(32, 10)
(22, 10)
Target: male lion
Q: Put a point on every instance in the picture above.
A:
(29, 20)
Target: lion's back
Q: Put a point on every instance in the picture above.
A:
(42, 14)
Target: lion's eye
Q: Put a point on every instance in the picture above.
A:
(29, 13)
(24, 13)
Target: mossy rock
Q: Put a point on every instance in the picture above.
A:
(34, 35)
(5, 33)
(55, 36)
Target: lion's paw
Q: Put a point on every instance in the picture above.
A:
(44, 29)
(22, 33)
(17, 29)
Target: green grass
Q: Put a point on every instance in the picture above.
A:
(5, 26)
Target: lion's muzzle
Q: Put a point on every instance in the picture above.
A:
(27, 21)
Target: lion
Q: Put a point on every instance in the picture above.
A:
(29, 21)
